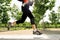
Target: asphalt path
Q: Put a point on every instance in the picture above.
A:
(27, 35)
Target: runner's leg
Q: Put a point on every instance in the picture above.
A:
(35, 30)
(24, 16)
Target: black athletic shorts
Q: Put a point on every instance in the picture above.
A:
(26, 13)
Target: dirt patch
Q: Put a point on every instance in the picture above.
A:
(20, 32)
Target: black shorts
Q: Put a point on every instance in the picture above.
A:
(26, 13)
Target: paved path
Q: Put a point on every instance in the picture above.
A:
(27, 35)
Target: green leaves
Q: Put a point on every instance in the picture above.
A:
(53, 17)
(41, 6)
(4, 7)
(16, 13)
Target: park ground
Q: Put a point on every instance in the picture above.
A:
(48, 34)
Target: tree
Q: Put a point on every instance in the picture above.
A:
(40, 8)
(4, 7)
(58, 14)
(53, 18)
(16, 13)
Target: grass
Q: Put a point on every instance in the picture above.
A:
(28, 26)
(13, 28)
(21, 28)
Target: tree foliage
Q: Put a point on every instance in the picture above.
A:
(53, 17)
(40, 8)
(16, 13)
(4, 7)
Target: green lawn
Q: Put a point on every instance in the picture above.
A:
(28, 26)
